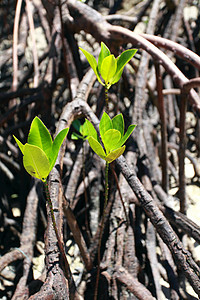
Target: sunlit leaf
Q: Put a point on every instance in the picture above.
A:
(84, 130)
(127, 134)
(122, 60)
(93, 63)
(118, 123)
(36, 162)
(21, 146)
(115, 154)
(105, 124)
(39, 136)
(56, 146)
(108, 68)
(91, 130)
(103, 54)
(116, 77)
(96, 147)
(110, 139)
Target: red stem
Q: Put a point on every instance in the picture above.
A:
(161, 109)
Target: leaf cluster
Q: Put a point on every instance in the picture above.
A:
(81, 129)
(108, 67)
(40, 152)
(112, 136)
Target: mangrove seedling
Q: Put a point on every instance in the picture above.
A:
(113, 139)
(39, 156)
(40, 152)
(112, 136)
(109, 69)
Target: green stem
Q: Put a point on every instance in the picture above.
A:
(66, 270)
(106, 98)
(120, 194)
(106, 185)
(101, 232)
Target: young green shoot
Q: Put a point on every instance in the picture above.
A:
(112, 136)
(39, 156)
(109, 69)
(40, 152)
(113, 139)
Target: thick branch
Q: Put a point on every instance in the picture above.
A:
(87, 19)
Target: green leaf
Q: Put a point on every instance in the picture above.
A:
(115, 154)
(127, 134)
(91, 130)
(116, 78)
(76, 124)
(105, 124)
(21, 146)
(56, 146)
(84, 130)
(103, 54)
(36, 162)
(118, 123)
(91, 59)
(108, 68)
(39, 136)
(122, 60)
(93, 63)
(76, 136)
(110, 139)
(96, 147)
